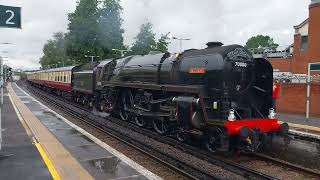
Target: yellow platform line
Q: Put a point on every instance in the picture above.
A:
(312, 128)
(45, 158)
(67, 167)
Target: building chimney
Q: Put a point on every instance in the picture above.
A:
(314, 31)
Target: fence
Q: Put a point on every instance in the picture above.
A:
(292, 98)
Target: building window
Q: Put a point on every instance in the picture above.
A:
(304, 43)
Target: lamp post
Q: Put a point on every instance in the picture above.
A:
(91, 56)
(180, 41)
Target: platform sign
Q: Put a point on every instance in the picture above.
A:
(315, 67)
(10, 17)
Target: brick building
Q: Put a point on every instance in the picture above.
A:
(306, 46)
(305, 49)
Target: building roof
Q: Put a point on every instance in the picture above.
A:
(301, 24)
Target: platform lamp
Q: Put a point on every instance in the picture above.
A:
(180, 41)
(91, 57)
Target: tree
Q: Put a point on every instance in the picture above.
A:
(110, 21)
(54, 51)
(94, 29)
(83, 34)
(261, 42)
(145, 40)
(162, 43)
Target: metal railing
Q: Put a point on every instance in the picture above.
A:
(287, 77)
(272, 52)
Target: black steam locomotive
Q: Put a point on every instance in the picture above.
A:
(220, 94)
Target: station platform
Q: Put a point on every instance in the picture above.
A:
(300, 119)
(299, 125)
(41, 144)
(19, 157)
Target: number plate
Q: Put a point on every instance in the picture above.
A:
(240, 64)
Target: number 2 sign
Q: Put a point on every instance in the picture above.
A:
(10, 17)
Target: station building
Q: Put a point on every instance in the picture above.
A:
(306, 44)
(305, 49)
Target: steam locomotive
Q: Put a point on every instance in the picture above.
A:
(220, 94)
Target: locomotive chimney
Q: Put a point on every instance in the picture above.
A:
(214, 44)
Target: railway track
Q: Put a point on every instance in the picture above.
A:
(78, 112)
(287, 164)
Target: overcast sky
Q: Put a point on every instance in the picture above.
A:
(228, 21)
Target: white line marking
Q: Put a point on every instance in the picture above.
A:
(305, 134)
(127, 177)
(113, 151)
